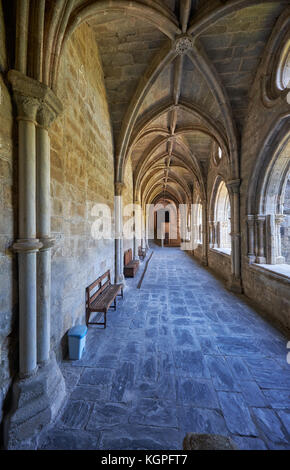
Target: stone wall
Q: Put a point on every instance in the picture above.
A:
(220, 263)
(265, 289)
(8, 227)
(82, 172)
(197, 252)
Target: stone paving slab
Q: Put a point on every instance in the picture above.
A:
(181, 354)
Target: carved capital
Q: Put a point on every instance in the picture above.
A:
(234, 186)
(119, 187)
(46, 115)
(183, 44)
(251, 220)
(27, 106)
(279, 219)
(34, 99)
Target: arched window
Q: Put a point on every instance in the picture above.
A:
(285, 227)
(269, 224)
(283, 70)
(217, 154)
(197, 222)
(222, 219)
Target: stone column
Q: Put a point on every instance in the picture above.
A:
(234, 194)
(204, 234)
(138, 229)
(27, 245)
(119, 244)
(47, 113)
(215, 234)
(279, 219)
(211, 234)
(37, 392)
(219, 234)
(271, 242)
(260, 219)
(251, 237)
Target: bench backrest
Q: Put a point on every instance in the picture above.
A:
(97, 287)
(128, 256)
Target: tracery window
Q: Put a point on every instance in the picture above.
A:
(220, 227)
(283, 69)
(269, 228)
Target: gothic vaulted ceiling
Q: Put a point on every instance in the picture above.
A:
(178, 75)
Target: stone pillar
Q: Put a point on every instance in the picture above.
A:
(215, 237)
(204, 234)
(234, 194)
(260, 220)
(27, 245)
(38, 391)
(138, 229)
(119, 244)
(279, 219)
(219, 234)
(271, 242)
(251, 237)
(211, 234)
(47, 113)
(146, 228)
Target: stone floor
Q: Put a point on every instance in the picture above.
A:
(180, 354)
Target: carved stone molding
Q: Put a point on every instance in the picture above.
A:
(26, 107)
(234, 186)
(183, 44)
(47, 243)
(29, 245)
(251, 220)
(34, 99)
(119, 187)
(46, 115)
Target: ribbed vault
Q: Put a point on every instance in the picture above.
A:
(177, 73)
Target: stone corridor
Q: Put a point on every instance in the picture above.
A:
(181, 354)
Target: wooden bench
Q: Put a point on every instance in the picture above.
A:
(141, 252)
(130, 266)
(99, 297)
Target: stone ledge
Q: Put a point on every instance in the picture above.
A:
(273, 271)
(220, 251)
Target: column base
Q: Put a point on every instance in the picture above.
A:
(204, 261)
(121, 280)
(235, 285)
(252, 259)
(261, 260)
(35, 403)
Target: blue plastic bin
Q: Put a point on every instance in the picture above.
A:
(76, 341)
